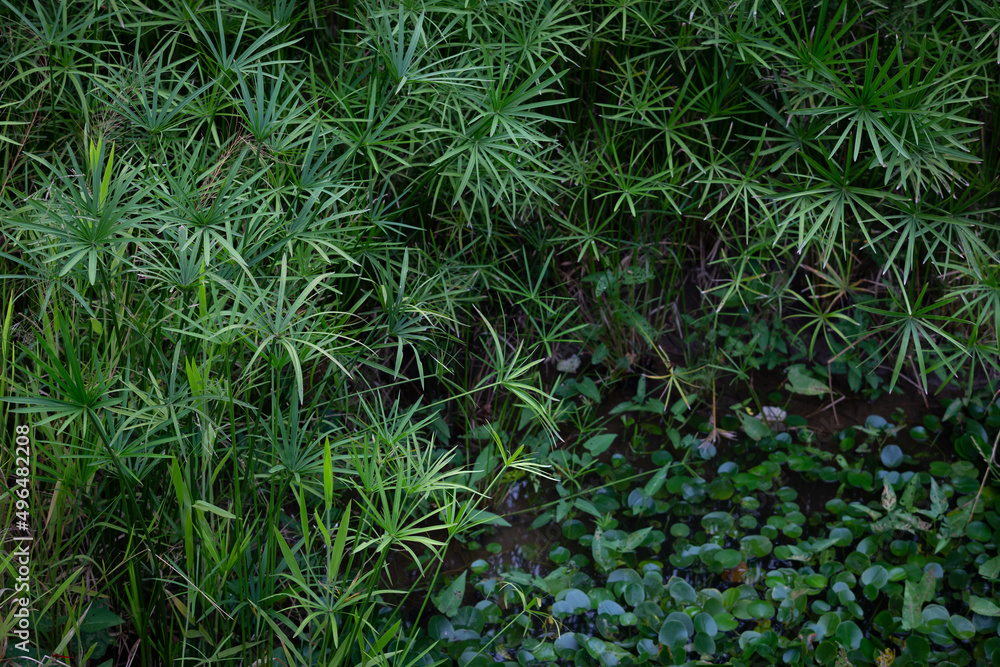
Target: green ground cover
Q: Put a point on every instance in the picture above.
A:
(298, 293)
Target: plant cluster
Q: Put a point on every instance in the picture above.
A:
(791, 556)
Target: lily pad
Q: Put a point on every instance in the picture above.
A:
(892, 456)
(611, 608)
(566, 646)
(559, 555)
(681, 591)
(962, 628)
(704, 623)
(761, 609)
(850, 634)
(440, 628)
(673, 632)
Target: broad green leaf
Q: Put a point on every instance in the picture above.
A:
(757, 429)
(914, 597)
(983, 606)
(991, 568)
(450, 599)
(801, 382)
(599, 444)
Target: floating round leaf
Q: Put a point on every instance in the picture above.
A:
(705, 623)
(729, 468)
(639, 501)
(680, 530)
(662, 457)
(576, 598)
(962, 628)
(958, 579)
(890, 476)
(850, 634)
(611, 608)
(902, 547)
(544, 652)
(470, 618)
(778, 522)
(574, 529)
(892, 456)
(681, 591)
(761, 609)
(725, 621)
(786, 494)
(827, 624)
(747, 481)
(828, 474)
(860, 478)
(650, 614)
(566, 646)
(876, 576)
(647, 648)
(608, 659)
(917, 648)
(979, 531)
(868, 545)
(474, 659)
(634, 594)
(599, 595)
(683, 618)
(795, 517)
(756, 546)
(800, 463)
(727, 558)
(559, 555)
(622, 576)
(842, 537)
(440, 628)
(682, 561)
(749, 638)
(876, 422)
(673, 632)
(703, 644)
(595, 647)
(720, 489)
(934, 614)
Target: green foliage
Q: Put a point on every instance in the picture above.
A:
(899, 575)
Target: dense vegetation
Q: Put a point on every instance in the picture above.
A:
(297, 292)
